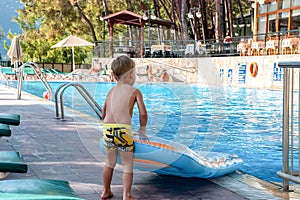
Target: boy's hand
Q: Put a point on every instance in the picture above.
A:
(142, 135)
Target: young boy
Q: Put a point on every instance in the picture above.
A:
(117, 133)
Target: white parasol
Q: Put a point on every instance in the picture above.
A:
(15, 51)
(72, 41)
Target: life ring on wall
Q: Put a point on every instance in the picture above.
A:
(253, 69)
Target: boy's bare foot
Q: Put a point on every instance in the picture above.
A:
(108, 196)
(129, 198)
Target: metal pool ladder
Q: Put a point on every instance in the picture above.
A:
(291, 124)
(38, 73)
(84, 93)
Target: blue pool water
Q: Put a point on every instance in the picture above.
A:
(245, 122)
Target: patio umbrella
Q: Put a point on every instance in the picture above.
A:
(15, 51)
(72, 41)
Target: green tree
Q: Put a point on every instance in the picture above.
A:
(1, 37)
(1, 33)
(45, 22)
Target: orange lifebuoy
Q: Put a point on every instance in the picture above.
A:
(253, 69)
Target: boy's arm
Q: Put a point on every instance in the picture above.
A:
(142, 112)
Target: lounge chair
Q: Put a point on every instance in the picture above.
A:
(55, 73)
(46, 71)
(5, 130)
(29, 189)
(7, 71)
(10, 161)
(5, 121)
(10, 119)
(59, 72)
(29, 73)
(78, 74)
(49, 73)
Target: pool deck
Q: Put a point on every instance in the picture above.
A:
(54, 149)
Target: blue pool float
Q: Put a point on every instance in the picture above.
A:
(172, 158)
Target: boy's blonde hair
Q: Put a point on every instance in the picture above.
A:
(121, 65)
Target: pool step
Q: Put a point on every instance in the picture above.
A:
(251, 187)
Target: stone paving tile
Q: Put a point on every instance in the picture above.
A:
(69, 150)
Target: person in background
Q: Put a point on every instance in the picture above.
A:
(165, 77)
(227, 42)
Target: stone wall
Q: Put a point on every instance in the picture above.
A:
(234, 71)
(156, 69)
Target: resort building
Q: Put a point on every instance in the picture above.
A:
(275, 28)
(273, 16)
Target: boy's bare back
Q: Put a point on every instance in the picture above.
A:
(119, 104)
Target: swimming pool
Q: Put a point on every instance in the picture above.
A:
(245, 122)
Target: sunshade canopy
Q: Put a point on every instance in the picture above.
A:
(129, 18)
(133, 19)
(72, 41)
(15, 51)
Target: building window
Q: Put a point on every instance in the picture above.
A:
(295, 20)
(284, 4)
(261, 28)
(295, 3)
(272, 6)
(283, 21)
(272, 23)
(262, 8)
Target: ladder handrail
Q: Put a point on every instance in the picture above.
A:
(40, 76)
(84, 93)
(56, 99)
(290, 152)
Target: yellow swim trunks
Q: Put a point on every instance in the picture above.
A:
(118, 136)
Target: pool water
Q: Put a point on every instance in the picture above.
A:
(245, 122)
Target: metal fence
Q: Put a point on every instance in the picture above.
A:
(64, 67)
(167, 48)
(5, 63)
(275, 43)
